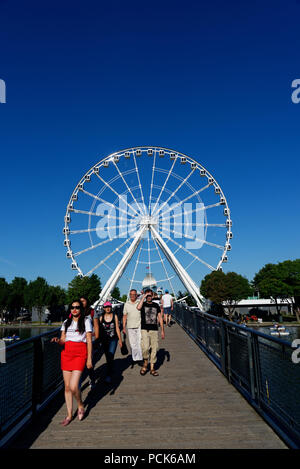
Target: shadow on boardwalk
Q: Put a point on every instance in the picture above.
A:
(101, 388)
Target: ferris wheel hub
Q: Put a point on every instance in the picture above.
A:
(148, 221)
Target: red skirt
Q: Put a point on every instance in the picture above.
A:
(74, 356)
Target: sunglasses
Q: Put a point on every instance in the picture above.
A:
(75, 307)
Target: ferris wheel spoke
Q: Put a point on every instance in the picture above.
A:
(139, 181)
(107, 257)
(78, 253)
(165, 183)
(128, 188)
(198, 240)
(173, 193)
(118, 195)
(151, 186)
(164, 267)
(184, 200)
(96, 197)
(190, 253)
(203, 207)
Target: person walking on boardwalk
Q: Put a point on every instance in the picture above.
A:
(167, 307)
(132, 316)
(76, 339)
(89, 312)
(109, 335)
(150, 316)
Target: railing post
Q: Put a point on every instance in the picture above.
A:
(251, 364)
(223, 347)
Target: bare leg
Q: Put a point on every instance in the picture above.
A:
(68, 393)
(74, 386)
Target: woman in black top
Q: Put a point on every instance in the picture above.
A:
(110, 335)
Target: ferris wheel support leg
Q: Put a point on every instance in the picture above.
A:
(117, 273)
(181, 272)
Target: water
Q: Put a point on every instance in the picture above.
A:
(293, 330)
(23, 332)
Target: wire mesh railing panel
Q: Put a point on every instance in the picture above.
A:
(52, 375)
(16, 382)
(239, 357)
(280, 381)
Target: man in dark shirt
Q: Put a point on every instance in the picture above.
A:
(150, 314)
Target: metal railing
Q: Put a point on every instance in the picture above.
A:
(258, 365)
(29, 377)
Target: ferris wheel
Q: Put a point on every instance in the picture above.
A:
(149, 217)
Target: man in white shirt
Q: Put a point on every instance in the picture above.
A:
(167, 307)
(132, 316)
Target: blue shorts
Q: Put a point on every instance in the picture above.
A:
(167, 310)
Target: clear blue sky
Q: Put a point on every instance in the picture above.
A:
(211, 79)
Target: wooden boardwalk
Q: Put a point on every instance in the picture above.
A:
(189, 405)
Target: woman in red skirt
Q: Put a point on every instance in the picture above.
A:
(76, 339)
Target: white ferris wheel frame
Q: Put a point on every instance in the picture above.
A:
(148, 225)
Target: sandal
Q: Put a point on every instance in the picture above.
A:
(143, 370)
(81, 413)
(66, 421)
(154, 373)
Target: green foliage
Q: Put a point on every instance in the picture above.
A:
(37, 294)
(89, 287)
(279, 281)
(17, 292)
(4, 295)
(229, 288)
(123, 298)
(115, 293)
(57, 296)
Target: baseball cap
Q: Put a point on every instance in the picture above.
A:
(107, 303)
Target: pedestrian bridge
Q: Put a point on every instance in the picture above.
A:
(216, 389)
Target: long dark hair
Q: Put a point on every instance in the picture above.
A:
(88, 304)
(81, 320)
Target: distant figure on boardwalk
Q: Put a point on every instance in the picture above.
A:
(109, 335)
(150, 314)
(167, 307)
(132, 316)
(89, 312)
(76, 339)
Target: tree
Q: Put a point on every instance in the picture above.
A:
(4, 296)
(57, 296)
(276, 289)
(225, 289)
(37, 295)
(115, 293)
(280, 281)
(123, 298)
(84, 286)
(16, 299)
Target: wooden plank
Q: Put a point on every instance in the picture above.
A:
(189, 405)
